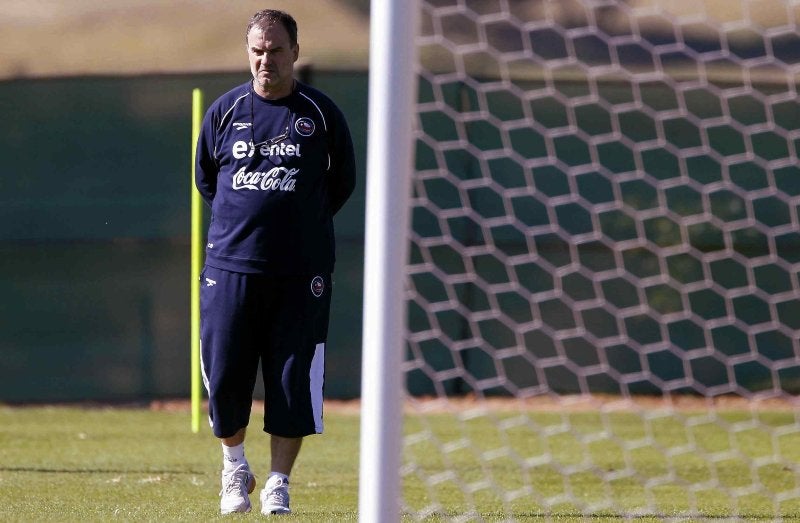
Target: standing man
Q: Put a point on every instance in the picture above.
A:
(275, 162)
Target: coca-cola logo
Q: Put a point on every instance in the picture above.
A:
(276, 179)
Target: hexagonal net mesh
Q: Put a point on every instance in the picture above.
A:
(603, 306)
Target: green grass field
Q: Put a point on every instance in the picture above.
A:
(72, 464)
(128, 464)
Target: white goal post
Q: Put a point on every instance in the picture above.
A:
(392, 93)
(582, 274)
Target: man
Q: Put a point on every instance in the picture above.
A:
(275, 162)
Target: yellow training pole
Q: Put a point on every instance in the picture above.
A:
(197, 263)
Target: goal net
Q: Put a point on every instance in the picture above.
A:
(602, 292)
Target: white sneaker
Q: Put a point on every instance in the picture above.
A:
(275, 497)
(236, 485)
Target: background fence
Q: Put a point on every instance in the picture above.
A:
(94, 233)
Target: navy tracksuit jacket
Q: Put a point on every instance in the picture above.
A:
(274, 173)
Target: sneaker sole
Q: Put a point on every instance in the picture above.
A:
(235, 511)
(275, 512)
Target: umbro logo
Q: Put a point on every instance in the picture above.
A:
(210, 282)
(241, 126)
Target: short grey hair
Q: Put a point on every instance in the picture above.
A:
(268, 17)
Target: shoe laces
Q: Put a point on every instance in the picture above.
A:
(279, 493)
(236, 480)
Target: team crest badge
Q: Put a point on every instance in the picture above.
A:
(304, 126)
(317, 286)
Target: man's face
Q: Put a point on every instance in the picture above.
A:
(272, 59)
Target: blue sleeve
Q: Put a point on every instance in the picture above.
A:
(342, 175)
(206, 167)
